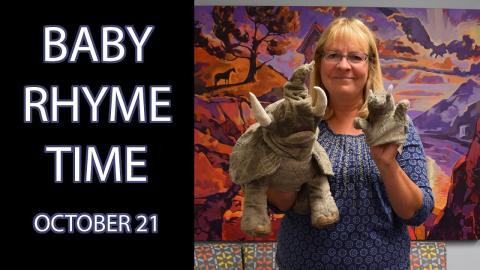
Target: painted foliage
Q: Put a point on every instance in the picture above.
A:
(431, 56)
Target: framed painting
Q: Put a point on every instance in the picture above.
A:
(431, 56)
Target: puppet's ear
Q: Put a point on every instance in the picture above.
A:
(258, 112)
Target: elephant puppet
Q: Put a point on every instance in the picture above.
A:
(281, 151)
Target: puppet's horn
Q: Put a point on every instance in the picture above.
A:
(390, 88)
(320, 103)
(258, 112)
(389, 93)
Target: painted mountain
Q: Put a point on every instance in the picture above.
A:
(446, 130)
(431, 56)
(460, 108)
(461, 215)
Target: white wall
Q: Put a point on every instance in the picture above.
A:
(461, 255)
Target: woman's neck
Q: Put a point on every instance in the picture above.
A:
(341, 121)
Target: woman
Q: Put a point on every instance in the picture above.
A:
(378, 192)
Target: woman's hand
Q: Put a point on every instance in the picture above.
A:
(384, 155)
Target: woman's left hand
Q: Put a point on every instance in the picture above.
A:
(384, 155)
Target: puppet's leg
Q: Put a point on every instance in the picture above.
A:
(323, 206)
(302, 203)
(255, 219)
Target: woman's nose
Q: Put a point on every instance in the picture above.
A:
(344, 64)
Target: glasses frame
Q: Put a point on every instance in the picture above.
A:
(365, 57)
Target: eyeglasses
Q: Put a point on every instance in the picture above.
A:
(352, 58)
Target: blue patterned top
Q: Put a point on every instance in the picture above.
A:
(369, 235)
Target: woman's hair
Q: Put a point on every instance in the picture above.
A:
(356, 29)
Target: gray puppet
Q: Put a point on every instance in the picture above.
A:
(281, 151)
(386, 122)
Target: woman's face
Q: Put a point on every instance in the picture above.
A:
(344, 78)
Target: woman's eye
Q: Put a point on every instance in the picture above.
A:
(332, 56)
(356, 58)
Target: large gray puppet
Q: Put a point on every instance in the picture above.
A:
(281, 151)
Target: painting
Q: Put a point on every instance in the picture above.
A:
(431, 56)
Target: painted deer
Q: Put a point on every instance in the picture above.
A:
(224, 76)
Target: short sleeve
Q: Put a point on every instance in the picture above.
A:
(413, 162)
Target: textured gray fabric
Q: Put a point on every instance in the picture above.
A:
(258, 154)
(284, 155)
(252, 158)
(386, 122)
(292, 134)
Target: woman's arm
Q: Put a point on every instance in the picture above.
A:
(405, 178)
(404, 195)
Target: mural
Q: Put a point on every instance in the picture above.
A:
(431, 56)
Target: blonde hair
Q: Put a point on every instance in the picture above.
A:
(349, 27)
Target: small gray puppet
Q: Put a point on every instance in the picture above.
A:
(281, 151)
(386, 122)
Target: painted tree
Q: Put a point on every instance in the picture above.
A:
(270, 26)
